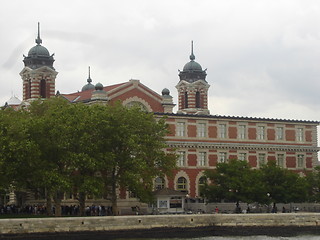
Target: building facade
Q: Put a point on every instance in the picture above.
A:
(200, 139)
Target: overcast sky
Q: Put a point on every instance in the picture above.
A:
(263, 57)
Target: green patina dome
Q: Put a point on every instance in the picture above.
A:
(99, 86)
(38, 51)
(38, 56)
(165, 92)
(88, 86)
(192, 71)
(192, 66)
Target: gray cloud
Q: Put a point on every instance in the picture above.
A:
(262, 56)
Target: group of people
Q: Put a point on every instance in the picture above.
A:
(66, 210)
(29, 209)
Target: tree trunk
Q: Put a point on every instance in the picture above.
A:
(57, 202)
(49, 203)
(114, 200)
(82, 203)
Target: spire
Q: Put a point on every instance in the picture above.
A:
(38, 40)
(192, 57)
(89, 80)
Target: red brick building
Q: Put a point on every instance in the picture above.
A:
(202, 140)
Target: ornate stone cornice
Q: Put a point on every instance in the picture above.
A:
(242, 146)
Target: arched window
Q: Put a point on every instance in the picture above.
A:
(28, 89)
(185, 100)
(138, 105)
(198, 100)
(43, 88)
(182, 184)
(159, 183)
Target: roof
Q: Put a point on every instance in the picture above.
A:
(87, 94)
(13, 101)
(238, 118)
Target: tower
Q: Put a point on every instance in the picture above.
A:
(38, 74)
(193, 88)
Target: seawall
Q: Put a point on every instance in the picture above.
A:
(25, 226)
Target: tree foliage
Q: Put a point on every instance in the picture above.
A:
(231, 181)
(313, 185)
(236, 181)
(82, 149)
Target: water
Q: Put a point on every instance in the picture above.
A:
(303, 237)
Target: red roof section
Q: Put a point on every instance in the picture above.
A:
(86, 95)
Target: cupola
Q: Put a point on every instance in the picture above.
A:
(192, 71)
(38, 55)
(89, 85)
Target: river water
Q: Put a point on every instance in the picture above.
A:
(303, 237)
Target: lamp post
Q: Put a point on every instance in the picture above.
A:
(187, 202)
(268, 195)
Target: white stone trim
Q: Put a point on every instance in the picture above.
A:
(137, 99)
(179, 174)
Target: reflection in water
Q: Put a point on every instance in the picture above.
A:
(303, 237)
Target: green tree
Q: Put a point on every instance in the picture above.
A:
(49, 128)
(18, 152)
(231, 181)
(282, 185)
(313, 185)
(83, 149)
(130, 150)
(66, 139)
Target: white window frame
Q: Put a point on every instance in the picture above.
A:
(279, 133)
(242, 131)
(222, 157)
(301, 161)
(242, 156)
(262, 159)
(202, 159)
(181, 161)
(222, 130)
(181, 129)
(202, 130)
(281, 160)
(261, 132)
(182, 186)
(159, 184)
(300, 133)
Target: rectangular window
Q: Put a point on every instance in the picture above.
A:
(300, 134)
(262, 159)
(222, 157)
(260, 132)
(242, 156)
(300, 161)
(279, 133)
(181, 129)
(181, 159)
(222, 130)
(280, 160)
(242, 131)
(202, 130)
(202, 159)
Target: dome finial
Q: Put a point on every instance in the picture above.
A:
(89, 80)
(38, 40)
(192, 57)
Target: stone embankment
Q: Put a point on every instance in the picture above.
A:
(147, 222)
